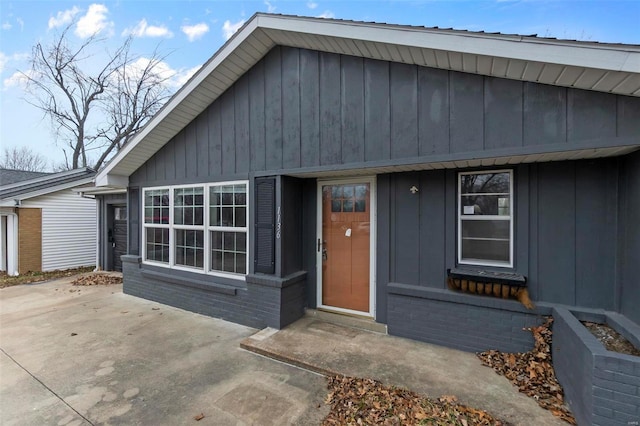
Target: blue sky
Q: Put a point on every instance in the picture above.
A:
(192, 31)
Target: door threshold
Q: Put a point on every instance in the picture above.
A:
(363, 322)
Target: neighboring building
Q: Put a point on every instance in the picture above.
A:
(347, 166)
(44, 224)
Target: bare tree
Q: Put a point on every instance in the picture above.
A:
(23, 158)
(94, 108)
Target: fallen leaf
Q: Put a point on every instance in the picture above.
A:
(199, 417)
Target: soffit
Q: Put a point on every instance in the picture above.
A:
(501, 161)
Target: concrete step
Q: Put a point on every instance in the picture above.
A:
(347, 320)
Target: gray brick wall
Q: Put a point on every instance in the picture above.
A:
(259, 303)
(601, 387)
(466, 322)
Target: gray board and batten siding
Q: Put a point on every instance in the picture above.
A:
(300, 111)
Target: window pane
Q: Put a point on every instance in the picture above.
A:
(485, 183)
(494, 229)
(492, 250)
(156, 204)
(148, 215)
(361, 191)
(241, 241)
(240, 199)
(347, 191)
(234, 200)
(178, 219)
(216, 260)
(336, 206)
(215, 218)
(228, 252)
(227, 216)
(347, 206)
(361, 206)
(157, 244)
(215, 196)
(229, 241)
(336, 191)
(188, 206)
(497, 205)
(241, 217)
(241, 263)
(163, 215)
(189, 247)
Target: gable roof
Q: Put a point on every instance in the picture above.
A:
(605, 67)
(43, 185)
(9, 176)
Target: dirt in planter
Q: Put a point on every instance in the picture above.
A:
(611, 339)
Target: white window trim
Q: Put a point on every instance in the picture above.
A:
(205, 228)
(510, 218)
(154, 225)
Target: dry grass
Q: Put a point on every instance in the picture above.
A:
(356, 401)
(32, 277)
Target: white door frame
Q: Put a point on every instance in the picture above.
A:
(9, 243)
(371, 180)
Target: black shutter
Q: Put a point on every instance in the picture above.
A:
(265, 225)
(133, 221)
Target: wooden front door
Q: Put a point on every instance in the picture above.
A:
(345, 245)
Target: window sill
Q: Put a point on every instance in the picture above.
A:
(187, 282)
(482, 275)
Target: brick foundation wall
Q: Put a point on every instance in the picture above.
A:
(261, 301)
(460, 321)
(29, 240)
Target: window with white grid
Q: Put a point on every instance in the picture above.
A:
(485, 218)
(156, 225)
(188, 224)
(228, 228)
(181, 224)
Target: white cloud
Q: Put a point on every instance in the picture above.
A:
(174, 79)
(63, 17)
(21, 23)
(312, 5)
(270, 8)
(142, 29)
(6, 26)
(229, 29)
(94, 21)
(327, 14)
(16, 57)
(18, 79)
(182, 76)
(194, 32)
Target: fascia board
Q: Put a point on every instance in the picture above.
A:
(611, 58)
(49, 190)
